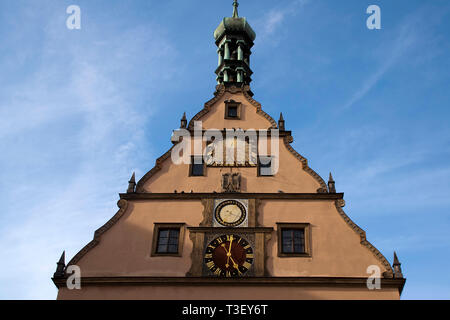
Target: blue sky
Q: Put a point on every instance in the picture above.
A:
(80, 110)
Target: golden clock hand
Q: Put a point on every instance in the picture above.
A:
(231, 241)
(225, 248)
(228, 252)
(235, 265)
(228, 255)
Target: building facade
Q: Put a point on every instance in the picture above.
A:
(260, 224)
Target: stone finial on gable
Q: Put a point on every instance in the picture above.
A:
(397, 267)
(183, 124)
(281, 124)
(60, 267)
(132, 184)
(331, 185)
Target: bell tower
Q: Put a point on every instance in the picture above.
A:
(234, 39)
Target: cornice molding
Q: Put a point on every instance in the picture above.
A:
(230, 195)
(123, 206)
(236, 282)
(389, 273)
(231, 230)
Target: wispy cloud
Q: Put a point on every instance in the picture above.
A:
(73, 126)
(388, 57)
(269, 23)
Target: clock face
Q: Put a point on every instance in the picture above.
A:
(229, 256)
(230, 213)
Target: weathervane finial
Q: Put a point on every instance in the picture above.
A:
(235, 9)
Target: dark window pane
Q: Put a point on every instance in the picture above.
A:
(267, 163)
(168, 241)
(197, 166)
(162, 249)
(298, 234)
(293, 240)
(265, 166)
(287, 234)
(298, 248)
(163, 241)
(172, 248)
(287, 244)
(163, 233)
(232, 112)
(287, 247)
(197, 169)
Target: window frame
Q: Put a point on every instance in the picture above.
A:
(307, 237)
(191, 167)
(259, 166)
(233, 103)
(156, 229)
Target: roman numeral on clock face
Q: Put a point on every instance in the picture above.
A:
(228, 256)
(246, 265)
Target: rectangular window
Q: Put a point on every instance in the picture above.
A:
(265, 166)
(168, 239)
(294, 239)
(232, 110)
(197, 167)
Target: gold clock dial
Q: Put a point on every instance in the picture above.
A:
(229, 256)
(230, 213)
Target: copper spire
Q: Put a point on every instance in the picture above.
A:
(234, 38)
(235, 9)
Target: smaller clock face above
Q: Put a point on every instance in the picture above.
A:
(230, 213)
(229, 256)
